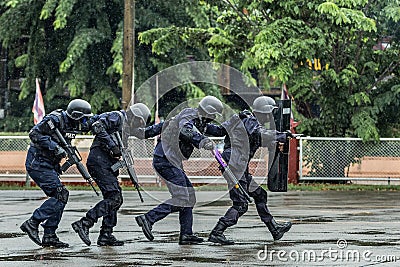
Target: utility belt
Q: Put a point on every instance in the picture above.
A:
(46, 154)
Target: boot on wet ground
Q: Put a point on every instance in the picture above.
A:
(217, 235)
(278, 229)
(52, 240)
(82, 227)
(31, 227)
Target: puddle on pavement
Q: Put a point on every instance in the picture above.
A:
(304, 241)
(77, 210)
(195, 259)
(371, 243)
(30, 258)
(368, 233)
(217, 203)
(311, 220)
(26, 199)
(361, 214)
(131, 211)
(10, 235)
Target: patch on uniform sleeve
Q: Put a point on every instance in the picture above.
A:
(51, 124)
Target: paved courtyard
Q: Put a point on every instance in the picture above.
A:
(330, 228)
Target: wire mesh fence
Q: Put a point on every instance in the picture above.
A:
(349, 159)
(321, 159)
(201, 168)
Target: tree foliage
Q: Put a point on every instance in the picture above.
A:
(75, 48)
(67, 44)
(353, 93)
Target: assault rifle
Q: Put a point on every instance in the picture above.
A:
(74, 158)
(228, 174)
(126, 162)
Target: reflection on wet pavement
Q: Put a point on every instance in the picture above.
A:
(322, 221)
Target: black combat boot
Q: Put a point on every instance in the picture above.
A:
(82, 227)
(31, 227)
(217, 235)
(189, 239)
(146, 226)
(277, 229)
(51, 240)
(106, 238)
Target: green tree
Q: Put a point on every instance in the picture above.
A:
(75, 48)
(68, 46)
(171, 14)
(357, 95)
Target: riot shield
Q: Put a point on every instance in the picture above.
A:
(279, 158)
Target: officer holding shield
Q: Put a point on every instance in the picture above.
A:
(244, 134)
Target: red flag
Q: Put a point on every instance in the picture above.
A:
(38, 105)
(285, 95)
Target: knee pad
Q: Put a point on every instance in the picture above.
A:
(259, 195)
(241, 207)
(116, 200)
(62, 194)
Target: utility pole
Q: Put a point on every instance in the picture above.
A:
(128, 75)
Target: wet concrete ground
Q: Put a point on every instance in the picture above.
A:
(330, 228)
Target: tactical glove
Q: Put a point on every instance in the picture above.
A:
(281, 137)
(207, 144)
(289, 134)
(59, 152)
(115, 152)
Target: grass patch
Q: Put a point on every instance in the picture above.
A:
(14, 134)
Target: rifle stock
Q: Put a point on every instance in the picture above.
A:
(229, 175)
(74, 158)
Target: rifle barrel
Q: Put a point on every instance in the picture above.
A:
(74, 159)
(127, 163)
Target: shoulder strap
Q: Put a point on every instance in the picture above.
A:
(59, 115)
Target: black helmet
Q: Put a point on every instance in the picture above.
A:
(79, 108)
(264, 104)
(141, 111)
(211, 105)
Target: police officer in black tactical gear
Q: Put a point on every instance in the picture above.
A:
(239, 149)
(179, 137)
(43, 166)
(104, 152)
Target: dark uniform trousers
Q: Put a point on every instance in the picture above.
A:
(240, 204)
(182, 195)
(99, 165)
(47, 178)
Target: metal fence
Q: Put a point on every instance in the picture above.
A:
(349, 159)
(201, 168)
(320, 159)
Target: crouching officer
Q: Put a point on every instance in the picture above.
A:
(239, 149)
(104, 153)
(43, 166)
(180, 135)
